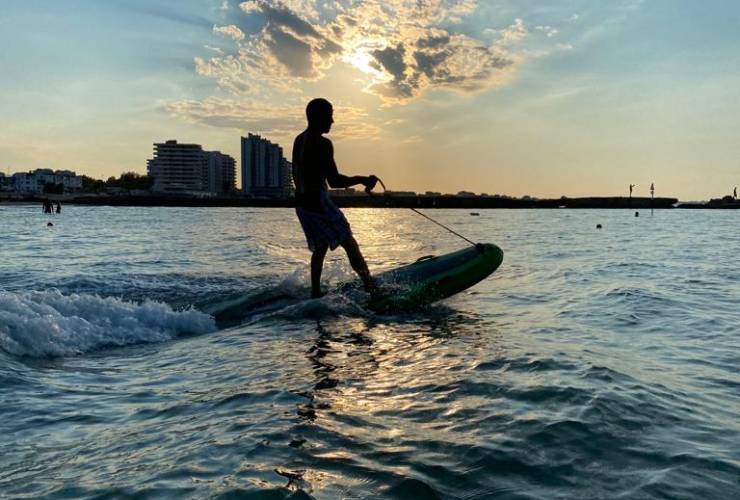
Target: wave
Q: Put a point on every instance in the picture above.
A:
(51, 324)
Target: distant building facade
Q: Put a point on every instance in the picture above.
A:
(41, 180)
(265, 171)
(221, 173)
(187, 169)
(177, 168)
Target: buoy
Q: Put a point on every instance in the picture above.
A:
(598, 226)
(474, 213)
(49, 224)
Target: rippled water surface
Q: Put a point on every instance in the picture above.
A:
(592, 364)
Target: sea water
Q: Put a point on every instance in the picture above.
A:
(595, 363)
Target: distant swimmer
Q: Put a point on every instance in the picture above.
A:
(47, 208)
(59, 207)
(323, 223)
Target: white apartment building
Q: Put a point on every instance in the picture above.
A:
(186, 169)
(33, 182)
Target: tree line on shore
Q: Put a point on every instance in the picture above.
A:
(128, 181)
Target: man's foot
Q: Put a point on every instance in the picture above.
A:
(378, 290)
(370, 285)
(317, 294)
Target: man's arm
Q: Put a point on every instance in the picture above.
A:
(334, 178)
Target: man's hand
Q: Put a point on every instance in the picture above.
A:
(370, 183)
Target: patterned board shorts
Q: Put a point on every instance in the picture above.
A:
(327, 227)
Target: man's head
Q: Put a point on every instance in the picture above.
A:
(320, 115)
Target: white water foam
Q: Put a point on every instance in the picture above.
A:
(298, 282)
(47, 324)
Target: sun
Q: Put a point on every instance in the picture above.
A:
(361, 59)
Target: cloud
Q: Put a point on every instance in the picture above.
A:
(408, 47)
(217, 50)
(231, 31)
(400, 49)
(292, 52)
(549, 31)
(306, 9)
(281, 122)
(442, 61)
(396, 45)
(301, 49)
(514, 33)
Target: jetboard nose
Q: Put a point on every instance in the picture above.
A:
(492, 252)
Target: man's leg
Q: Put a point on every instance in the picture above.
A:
(317, 264)
(357, 261)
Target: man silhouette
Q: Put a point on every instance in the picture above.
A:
(323, 223)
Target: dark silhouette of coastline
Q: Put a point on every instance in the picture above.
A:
(718, 203)
(384, 201)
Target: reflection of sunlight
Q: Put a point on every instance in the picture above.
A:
(378, 230)
(379, 374)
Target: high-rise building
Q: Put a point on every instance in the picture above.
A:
(265, 171)
(221, 172)
(177, 168)
(187, 169)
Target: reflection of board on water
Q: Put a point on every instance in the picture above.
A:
(429, 279)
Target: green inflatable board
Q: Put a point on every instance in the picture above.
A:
(427, 280)
(433, 278)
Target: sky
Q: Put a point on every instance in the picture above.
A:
(517, 97)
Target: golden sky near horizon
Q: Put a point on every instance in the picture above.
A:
(570, 97)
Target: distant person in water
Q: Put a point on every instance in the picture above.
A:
(323, 223)
(59, 207)
(47, 207)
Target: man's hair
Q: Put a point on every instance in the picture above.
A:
(317, 108)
